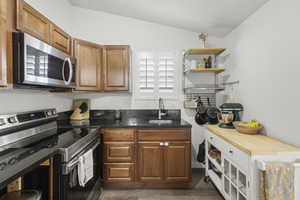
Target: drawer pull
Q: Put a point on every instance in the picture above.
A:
(231, 152)
(161, 144)
(166, 144)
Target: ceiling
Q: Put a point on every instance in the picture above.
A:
(216, 17)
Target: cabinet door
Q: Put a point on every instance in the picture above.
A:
(88, 75)
(177, 156)
(119, 172)
(31, 21)
(150, 156)
(60, 39)
(116, 68)
(3, 52)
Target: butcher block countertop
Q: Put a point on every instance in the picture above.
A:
(253, 144)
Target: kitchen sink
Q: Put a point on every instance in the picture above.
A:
(160, 121)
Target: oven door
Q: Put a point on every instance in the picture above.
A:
(70, 188)
(37, 63)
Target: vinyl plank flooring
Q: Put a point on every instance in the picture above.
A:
(199, 191)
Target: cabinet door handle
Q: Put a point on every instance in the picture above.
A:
(161, 144)
(166, 144)
(231, 152)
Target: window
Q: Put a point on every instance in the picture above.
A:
(156, 76)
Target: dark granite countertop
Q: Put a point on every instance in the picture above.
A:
(125, 123)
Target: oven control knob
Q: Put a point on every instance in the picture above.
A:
(2, 166)
(12, 120)
(12, 161)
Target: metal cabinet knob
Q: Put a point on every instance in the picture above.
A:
(166, 144)
(161, 144)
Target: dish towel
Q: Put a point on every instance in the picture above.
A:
(85, 168)
(277, 182)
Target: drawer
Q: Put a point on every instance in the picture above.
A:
(119, 172)
(164, 134)
(119, 152)
(118, 134)
(218, 142)
(238, 157)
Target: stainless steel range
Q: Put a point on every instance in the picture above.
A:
(27, 139)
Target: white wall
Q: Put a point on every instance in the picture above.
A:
(265, 58)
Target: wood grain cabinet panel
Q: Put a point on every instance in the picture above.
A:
(88, 75)
(60, 40)
(3, 9)
(119, 152)
(119, 172)
(150, 162)
(31, 21)
(164, 134)
(118, 134)
(3, 52)
(116, 68)
(177, 158)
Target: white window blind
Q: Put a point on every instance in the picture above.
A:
(156, 76)
(166, 73)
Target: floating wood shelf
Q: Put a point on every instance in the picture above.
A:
(215, 70)
(205, 51)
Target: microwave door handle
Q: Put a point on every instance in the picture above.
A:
(70, 71)
(63, 71)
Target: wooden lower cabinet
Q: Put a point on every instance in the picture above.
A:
(150, 160)
(177, 161)
(119, 172)
(131, 156)
(119, 152)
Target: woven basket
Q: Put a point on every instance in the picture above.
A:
(247, 130)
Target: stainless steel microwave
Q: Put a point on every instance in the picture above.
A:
(38, 64)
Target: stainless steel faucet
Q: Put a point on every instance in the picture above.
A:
(161, 111)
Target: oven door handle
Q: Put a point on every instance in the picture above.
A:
(70, 71)
(70, 165)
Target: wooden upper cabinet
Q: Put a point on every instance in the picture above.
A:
(88, 75)
(116, 68)
(3, 52)
(150, 157)
(31, 21)
(3, 9)
(60, 39)
(177, 161)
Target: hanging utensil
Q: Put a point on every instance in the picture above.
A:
(212, 113)
(200, 116)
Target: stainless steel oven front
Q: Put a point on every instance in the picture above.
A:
(38, 64)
